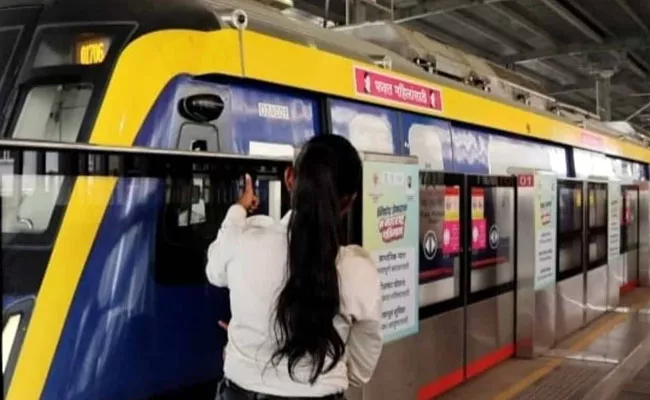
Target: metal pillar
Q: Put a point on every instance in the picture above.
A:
(360, 11)
(604, 97)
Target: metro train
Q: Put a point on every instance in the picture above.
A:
(100, 305)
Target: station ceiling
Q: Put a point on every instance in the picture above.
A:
(564, 45)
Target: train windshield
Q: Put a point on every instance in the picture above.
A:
(7, 46)
(53, 112)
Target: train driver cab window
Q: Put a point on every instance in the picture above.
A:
(7, 44)
(9, 334)
(15, 318)
(53, 112)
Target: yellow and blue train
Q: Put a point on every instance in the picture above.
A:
(105, 280)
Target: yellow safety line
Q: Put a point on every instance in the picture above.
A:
(582, 343)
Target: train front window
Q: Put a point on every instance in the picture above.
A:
(7, 45)
(9, 333)
(53, 112)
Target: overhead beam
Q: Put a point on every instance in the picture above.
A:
(562, 11)
(585, 84)
(522, 21)
(540, 79)
(481, 28)
(635, 64)
(430, 8)
(451, 40)
(580, 48)
(484, 30)
(319, 11)
(568, 15)
(633, 15)
(462, 44)
(638, 112)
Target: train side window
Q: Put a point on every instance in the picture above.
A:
(193, 210)
(31, 209)
(53, 112)
(30, 197)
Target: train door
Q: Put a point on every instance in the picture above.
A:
(441, 348)
(16, 30)
(490, 263)
(630, 236)
(593, 285)
(467, 262)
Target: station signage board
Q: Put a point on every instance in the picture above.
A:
(544, 187)
(388, 87)
(545, 230)
(391, 234)
(614, 208)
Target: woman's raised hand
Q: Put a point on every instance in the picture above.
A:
(248, 199)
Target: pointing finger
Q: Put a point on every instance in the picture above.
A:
(248, 188)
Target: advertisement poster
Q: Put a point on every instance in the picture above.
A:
(390, 232)
(613, 227)
(479, 230)
(451, 226)
(545, 227)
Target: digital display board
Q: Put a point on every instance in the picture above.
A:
(92, 50)
(61, 49)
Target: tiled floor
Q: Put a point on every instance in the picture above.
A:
(638, 388)
(574, 367)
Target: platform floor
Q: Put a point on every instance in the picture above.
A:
(576, 366)
(638, 388)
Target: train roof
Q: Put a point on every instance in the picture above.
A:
(207, 15)
(149, 15)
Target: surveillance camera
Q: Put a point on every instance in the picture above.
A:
(239, 19)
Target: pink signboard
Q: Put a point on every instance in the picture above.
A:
(370, 83)
(592, 140)
(451, 237)
(479, 234)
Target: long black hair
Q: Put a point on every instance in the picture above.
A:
(327, 173)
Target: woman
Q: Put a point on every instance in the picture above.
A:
(305, 311)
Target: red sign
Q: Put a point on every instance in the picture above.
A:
(451, 237)
(392, 228)
(526, 180)
(387, 87)
(479, 234)
(592, 140)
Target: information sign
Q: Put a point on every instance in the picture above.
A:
(390, 232)
(613, 225)
(545, 187)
